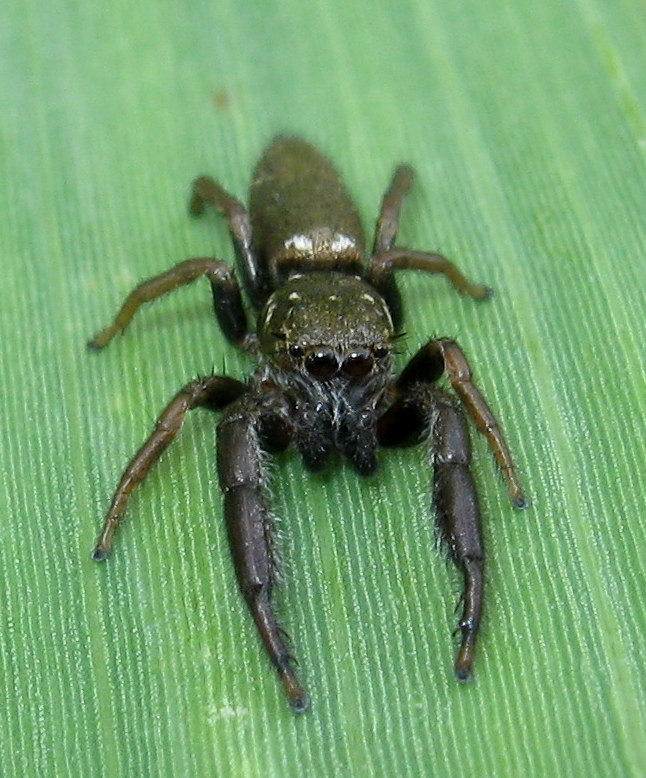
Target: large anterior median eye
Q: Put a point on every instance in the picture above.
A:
(322, 363)
(358, 363)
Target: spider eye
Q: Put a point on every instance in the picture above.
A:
(358, 363)
(322, 363)
(380, 351)
(296, 351)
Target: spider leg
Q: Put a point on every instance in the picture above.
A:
(383, 265)
(206, 191)
(227, 300)
(385, 234)
(458, 517)
(386, 258)
(245, 433)
(424, 412)
(445, 355)
(388, 219)
(381, 274)
(420, 410)
(213, 392)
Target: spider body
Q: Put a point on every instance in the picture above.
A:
(324, 382)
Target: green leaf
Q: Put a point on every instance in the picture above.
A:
(526, 125)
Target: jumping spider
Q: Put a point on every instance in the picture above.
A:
(327, 320)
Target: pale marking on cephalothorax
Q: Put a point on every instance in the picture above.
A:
(368, 297)
(300, 243)
(338, 242)
(386, 310)
(269, 312)
(294, 296)
(333, 297)
(341, 242)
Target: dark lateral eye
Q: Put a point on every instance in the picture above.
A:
(358, 363)
(296, 351)
(380, 351)
(322, 363)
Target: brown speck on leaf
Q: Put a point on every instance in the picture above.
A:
(221, 99)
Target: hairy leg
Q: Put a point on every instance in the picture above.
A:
(444, 356)
(213, 392)
(227, 300)
(388, 220)
(386, 262)
(243, 436)
(458, 370)
(458, 517)
(421, 413)
(205, 191)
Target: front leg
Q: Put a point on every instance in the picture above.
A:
(445, 356)
(254, 426)
(458, 517)
(423, 412)
(419, 411)
(213, 392)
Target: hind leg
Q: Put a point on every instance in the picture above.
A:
(388, 220)
(205, 191)
(385, 235)
(386, 259)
